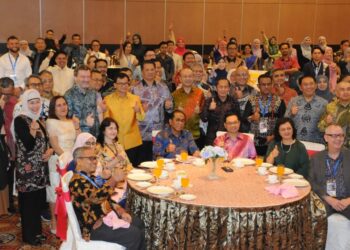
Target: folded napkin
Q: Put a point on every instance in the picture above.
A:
(285, 190)
(112, 220)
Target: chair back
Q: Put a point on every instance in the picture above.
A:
(312, 147)
(72, 218)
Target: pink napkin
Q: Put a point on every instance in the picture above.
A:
(285, 190)
(112, 220)
(119, 194)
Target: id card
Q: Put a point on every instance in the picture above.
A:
(332, 188)
(263, 125)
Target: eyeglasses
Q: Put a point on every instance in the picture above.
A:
(231, 123)
(335, 136)
(123, 83)
(90, 158)
(90, 143)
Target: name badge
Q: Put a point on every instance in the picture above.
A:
(332, 188)
(263, 126)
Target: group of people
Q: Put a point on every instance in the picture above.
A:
(60, 99)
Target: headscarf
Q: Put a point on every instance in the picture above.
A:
(224, 51)
(256, 51)
(28, 95)
(325, 94)
(139, 49)
(82, 138)
(178, 50)
(28, 51)
(229, 73)
(306, 49)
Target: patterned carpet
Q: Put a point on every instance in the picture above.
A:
(11, 238)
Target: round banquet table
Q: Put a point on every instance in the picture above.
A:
(232, 212)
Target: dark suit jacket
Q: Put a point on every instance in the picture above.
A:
(308, 70)
(317, 176)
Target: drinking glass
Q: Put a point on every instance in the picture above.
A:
(280, 171)
(184, 155)
(185, 181)
(258, 161)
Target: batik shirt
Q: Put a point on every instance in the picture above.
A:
(183, 142)
(191, 104)
(82, 103)
(309, 113)
(154, 97)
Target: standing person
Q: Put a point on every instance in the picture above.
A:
(4, 164)
(138, 49)
(262, 112)
(176, 58)
(126, 109)
(316, 67)
(190, 100)
(39, 55)
(156, 100)
(82, 101)
(216, 108)
(260, 53)
(323, 88)
(286, 62)
(62, 132)
(166, 61)
(127, 59)
(329, 173)
(32, 171)
(304, 53)
(338, 111)
(282, 89)
(47, 81)
(75, 51)
(249, 58)
(306, 110)
(15, 65)
(94, 50)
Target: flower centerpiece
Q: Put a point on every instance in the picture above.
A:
(212, 153)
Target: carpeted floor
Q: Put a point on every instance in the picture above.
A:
(11, 238)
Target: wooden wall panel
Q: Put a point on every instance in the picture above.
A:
(20, 18)
(63, 16)
(258, 17)
(104, 20)
(222, 18)
(146, 18)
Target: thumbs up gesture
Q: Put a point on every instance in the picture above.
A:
(212, 105)
(90, 120)
(171, 147)
(294, 110)
(137, 108)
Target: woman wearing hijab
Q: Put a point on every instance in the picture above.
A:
(333, 68)
(33, 153)
(323, 88)
(221, 50)
(4, 164)
(138, 49)
(304, 52)
(259, 53)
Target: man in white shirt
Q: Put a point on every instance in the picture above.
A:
(63, 77)
(95, 51)
(15, 65)
(177, 59)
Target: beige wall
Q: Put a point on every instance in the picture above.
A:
(198, 21)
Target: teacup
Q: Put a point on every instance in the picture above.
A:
(177, 183)
(239, 163)
(262, 170)
(272, 178)
(170, 166)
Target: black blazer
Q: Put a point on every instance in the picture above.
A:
(308, 70)
(317, 175)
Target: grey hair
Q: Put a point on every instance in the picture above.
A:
(79, 151)
(26, 81)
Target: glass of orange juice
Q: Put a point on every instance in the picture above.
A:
(184, 155)
(258, 161)
(185, 181)
(160, 163)
(280, 171)
(157, 172)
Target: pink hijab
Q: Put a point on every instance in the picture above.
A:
(178, 50)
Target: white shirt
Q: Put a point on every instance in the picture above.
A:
(17, 69)
(63, 79)
(177, 61)
(99, 55)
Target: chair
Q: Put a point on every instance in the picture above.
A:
(312, 147)
(338, 233)
(78, 242)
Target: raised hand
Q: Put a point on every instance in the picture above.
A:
(171, 147)
(212, 105)
(90, 120)
(137, 108)
(294, 110)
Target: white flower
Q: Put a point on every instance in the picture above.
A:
(213, 152)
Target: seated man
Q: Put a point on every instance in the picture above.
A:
(174, 138)
(330, 173)
(92, 202)
(235, 143)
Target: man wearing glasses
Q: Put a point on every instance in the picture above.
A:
(306, 110)
(95, 202)
(330, 173)
(126, 109)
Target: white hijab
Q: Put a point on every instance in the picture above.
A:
(82, 138)
(28, 95)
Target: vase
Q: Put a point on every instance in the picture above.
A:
(212, 175)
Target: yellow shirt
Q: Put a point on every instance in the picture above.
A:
(121, 109)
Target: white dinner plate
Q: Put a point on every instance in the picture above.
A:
(149, 164)
(286, 170)
(160, 190)
(143, 184)
(297, 182)
(198, 162)
(189, 160)
(244, 161)
(187, 197)
(140, 177)
(266, 165)
(296, 176)
(137, 171)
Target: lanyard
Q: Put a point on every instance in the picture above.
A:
(317, 68)
(13, 64)
(265, 109)
(89, 179)
(333, 170)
